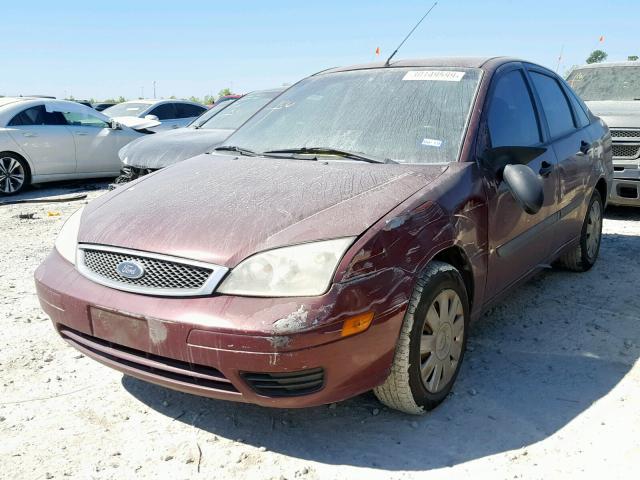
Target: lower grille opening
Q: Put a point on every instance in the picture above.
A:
(194, 374)
(628, 192)
(286, 384)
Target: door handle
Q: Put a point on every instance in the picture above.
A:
(29, 134)
(545, 168)
(82, 134)
(584, 148)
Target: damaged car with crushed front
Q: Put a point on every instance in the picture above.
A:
(344, 238)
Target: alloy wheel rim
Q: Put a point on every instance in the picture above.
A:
(441, 341)
(594, 227)
(11, 175)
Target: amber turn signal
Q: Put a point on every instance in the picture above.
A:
(356, 324)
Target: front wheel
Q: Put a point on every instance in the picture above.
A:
(584, 255)
(431, 343)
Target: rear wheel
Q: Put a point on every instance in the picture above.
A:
(585, 254)
(431, 343)
(14, 174)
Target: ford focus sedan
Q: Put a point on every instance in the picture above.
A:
(343, 239)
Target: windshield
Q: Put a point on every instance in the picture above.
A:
(126, 109)
(209, 113)
(236, 113)
(409, 115)
(606, 83)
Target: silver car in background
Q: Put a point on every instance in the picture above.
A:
(170, 113)
(44, 140)
(209, 130)
(612, 91)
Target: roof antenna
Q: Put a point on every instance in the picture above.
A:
(386, 64)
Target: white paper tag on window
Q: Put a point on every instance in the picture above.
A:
(431, 142)
(434, 75)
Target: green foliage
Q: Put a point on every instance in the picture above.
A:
(194, 99)
(224, 92)
(597, 56)
(632, 58)
(208, 99)
(121, 99)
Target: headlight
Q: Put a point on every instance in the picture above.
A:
(297, 271)
(67, 241)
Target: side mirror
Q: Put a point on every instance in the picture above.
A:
(152, 117)
(495, 159)
(114, 125)
(525, 186)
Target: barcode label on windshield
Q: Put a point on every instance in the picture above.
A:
(434, 75)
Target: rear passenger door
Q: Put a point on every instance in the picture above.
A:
(518, 242)
(44, 137)
(568, 130)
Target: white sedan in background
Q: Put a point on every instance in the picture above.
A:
(44, 140)
(170, 113)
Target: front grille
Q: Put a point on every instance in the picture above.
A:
(621, 150)
(625, 134)
(286, 384)
(148, 363)
(162, 275)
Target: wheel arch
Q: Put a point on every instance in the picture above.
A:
(601, 187)
(456, 257)
(23, 158)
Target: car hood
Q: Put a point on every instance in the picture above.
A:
(617, 114)
(137, 123)
(166, 148)
(221, 209)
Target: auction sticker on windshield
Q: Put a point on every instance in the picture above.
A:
(434, 75)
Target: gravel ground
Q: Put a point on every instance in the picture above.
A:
(549, 389)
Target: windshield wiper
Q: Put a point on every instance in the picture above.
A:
(232, 148)
(360, 157)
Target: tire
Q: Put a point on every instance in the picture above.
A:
(584, 255)
(405, 389)
(14, 173)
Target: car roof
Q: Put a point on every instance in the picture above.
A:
(155, 101)
(609, 64)
(7, 100)
(461, 62)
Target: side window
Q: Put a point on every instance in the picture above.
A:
(37, 116)
(583, 118)
(186, 110)
(164, 111)
(84, 120)
(512, 120)
(555, 104)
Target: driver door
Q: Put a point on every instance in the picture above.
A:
(97, 144)
(518, 242)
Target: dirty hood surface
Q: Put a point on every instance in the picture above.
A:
(166, 148)
(218, 209)
(617, 114)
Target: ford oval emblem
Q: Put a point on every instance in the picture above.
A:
(130, 269)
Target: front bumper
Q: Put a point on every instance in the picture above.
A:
(231, 347)
(625, 189)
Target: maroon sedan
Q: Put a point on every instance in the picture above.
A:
(342, 239)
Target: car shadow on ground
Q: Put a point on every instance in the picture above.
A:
(55, 189)
(535, 362)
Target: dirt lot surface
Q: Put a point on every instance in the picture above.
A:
(549, 389)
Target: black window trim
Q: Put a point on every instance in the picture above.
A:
(574, 117)
(543, 134)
